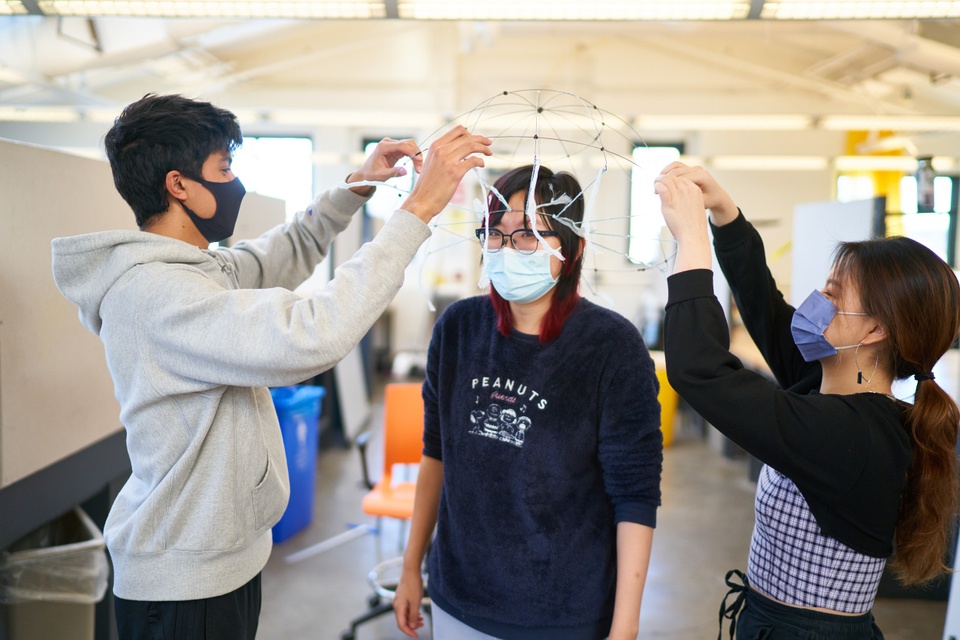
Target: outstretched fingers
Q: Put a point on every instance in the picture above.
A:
(449, 158)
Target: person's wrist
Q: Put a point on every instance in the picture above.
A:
(621, 632)
(419, 209)
(412, 562)
(366, 192)
(692, 237)
(724, 213)
(410, 567)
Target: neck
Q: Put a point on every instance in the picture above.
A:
(840, 374)
(528, 317)
(175, 223)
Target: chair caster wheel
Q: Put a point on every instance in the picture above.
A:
(348, 635)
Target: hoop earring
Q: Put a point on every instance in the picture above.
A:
(876, 363)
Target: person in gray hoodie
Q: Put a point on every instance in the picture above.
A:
(193, 337)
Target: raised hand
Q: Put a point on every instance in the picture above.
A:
(381, 165)
(722, 207)
(681, 202)
(447, 161)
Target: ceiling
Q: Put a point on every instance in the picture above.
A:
(391, 72)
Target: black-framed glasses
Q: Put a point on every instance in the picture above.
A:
(523, 240)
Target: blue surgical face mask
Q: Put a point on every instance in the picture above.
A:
(520, 277)
(810, 320)
(228, 196)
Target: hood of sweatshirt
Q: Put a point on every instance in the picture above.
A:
(86, 267)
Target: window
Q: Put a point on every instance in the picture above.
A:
(277, 167)
(646, 221)
(929, 229)
(942, 191)
(386, 200)
(850, 188)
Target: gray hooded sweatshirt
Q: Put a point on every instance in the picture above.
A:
(192, 339)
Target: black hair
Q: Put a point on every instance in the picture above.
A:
(550, 186)
(159, 134)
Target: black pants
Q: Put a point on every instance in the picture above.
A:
(232, 616)
(756, 617)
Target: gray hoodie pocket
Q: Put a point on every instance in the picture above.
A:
(269, 498)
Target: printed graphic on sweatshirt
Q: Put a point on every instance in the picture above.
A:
(502, 408)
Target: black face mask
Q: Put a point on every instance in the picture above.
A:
(228, 196)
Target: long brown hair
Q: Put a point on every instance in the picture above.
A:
(915, 296)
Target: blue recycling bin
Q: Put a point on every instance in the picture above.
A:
(298, 409)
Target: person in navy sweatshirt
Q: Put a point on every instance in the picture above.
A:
(851, 474)
(542, 449)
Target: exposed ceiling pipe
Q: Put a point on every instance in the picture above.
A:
(909, 48)
(819, 86)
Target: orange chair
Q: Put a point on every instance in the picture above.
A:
(402, 445)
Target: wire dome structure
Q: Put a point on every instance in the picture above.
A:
(566, 133)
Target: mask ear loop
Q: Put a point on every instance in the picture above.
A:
(876, 363)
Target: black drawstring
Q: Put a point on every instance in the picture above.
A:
(733, 610)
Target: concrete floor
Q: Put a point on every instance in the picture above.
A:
(703, 530)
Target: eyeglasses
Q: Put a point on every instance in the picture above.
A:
(523, 240)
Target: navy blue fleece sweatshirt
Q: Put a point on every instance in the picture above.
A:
(545, 448)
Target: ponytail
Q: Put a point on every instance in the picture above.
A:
(930, 499)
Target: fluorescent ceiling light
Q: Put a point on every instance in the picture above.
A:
(217, 9)
(39, 114)
(353, 118)
(759, 122)
(12, 7)
(905, 164)
(9, 75)
(573, 9)
(858, 9)
(770, 163)
(101, 114)
(890, 123)
(943, 164)
(248, 116)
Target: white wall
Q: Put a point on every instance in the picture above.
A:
(56, 395)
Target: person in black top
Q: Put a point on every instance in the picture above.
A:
(542, 448)
(851, 474)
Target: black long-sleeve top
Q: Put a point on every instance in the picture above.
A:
(847, 454)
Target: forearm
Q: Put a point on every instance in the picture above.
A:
(634, 542)
(693, 253)
(286, 255)
(765, 313)
(723, 211)
(426, 504)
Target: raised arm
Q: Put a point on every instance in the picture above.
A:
(247, 337)
(740, 253)
(817, 440)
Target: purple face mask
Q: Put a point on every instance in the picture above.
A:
(810, 320)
